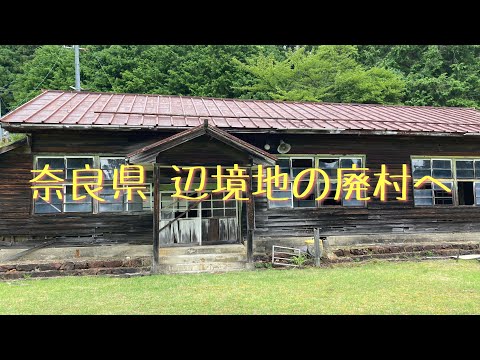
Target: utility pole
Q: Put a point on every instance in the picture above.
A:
(77, 67)
(1, 129)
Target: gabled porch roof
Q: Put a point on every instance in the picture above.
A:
(148, 154)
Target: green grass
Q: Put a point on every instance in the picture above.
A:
(433, 287)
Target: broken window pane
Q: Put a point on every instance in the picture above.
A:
(421, 168)
(108, 165)
(329, 166)
(465, 193)
(43, 207)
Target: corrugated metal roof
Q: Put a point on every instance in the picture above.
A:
(133, 110)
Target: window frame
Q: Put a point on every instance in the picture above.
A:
(454, 180)
(68, 182)
(316, 158)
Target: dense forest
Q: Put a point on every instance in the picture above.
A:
(437, 75)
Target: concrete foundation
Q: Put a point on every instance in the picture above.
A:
(64, 253)
(263, 245)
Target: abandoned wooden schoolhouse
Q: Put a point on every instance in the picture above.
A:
(69, 130)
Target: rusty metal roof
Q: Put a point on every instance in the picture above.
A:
(108, 110)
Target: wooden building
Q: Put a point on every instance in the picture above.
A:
(71, 129)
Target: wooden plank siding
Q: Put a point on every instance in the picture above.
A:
(16, 216)
(378, 217)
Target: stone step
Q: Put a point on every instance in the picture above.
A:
(202, 258)
(207, 249)
(207, 267)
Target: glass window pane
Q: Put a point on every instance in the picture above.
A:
(477, 193)
(230, 212)
(54, 163)
(465, 174)
(218, 213)
(419, 173)
(298, 165)
(104, 207)
(329, 166)
(77, 164)
(477, 169)
(78, 207)
(422, 193)
(135, 206)
(45, 208)
(464, 164)
(443, 201)
(423, 201)
(421, 168)
(464, 169)
(442, 174)
(108, 165)
(80, 192)
(448, 184)
(284, 165)
(280, 203)
(353, 202)
(348, 163)
(441, 164)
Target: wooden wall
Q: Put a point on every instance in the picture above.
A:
(389, 217)
(16, 218)
(379, 217)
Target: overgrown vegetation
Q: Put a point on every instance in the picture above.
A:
(429, 287)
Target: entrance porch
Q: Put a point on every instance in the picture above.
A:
(217, 232)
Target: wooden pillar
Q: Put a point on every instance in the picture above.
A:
(156, 218)
(316, 239)
(250, 220)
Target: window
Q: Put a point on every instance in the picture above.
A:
(65, 205)
(88, 205)
(108, 165)
(294, 165)
(460, 175)
(330, 166)
(212, 207)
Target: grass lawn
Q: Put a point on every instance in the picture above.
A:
(431, 287)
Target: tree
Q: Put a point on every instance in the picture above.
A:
(437, 75)
(11, 59)
(324, 73)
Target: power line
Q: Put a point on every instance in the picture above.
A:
(101, 66)
(41, 82)
(14, 79)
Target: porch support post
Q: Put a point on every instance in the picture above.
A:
(250, 220)
(156, 218)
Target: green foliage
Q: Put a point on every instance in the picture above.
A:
(299, 260)
(438, 75)
(409, 74)
(324, 73)
(11, 59)
(11, 138)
